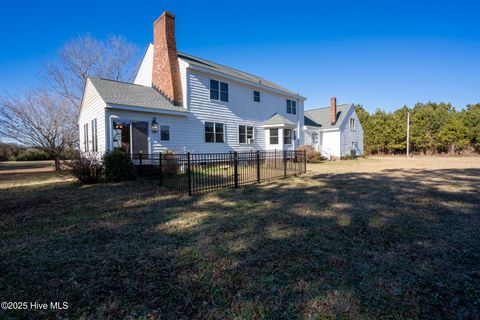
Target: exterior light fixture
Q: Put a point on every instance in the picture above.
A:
(154, 125)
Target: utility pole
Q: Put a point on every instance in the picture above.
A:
(408, 134)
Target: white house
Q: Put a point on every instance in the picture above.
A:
(335, 131)
(184, 103)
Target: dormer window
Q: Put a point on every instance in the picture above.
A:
(352, 124)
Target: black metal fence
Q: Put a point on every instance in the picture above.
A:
(200, 172)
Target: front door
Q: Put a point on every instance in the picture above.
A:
(140, 137)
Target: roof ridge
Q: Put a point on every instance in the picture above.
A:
(222, 65)
(338, 105)
(118, 81)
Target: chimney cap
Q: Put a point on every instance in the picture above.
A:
(166, 14)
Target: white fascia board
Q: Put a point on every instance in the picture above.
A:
(250, 83)
(288, 126)
(148, 110)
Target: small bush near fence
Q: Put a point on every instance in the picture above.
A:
(86, 168)
(118, 166)
(313, 156)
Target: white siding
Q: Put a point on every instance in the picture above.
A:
(93, 107)
(348, 136)
(144, 73)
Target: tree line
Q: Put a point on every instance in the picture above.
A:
(434, 128)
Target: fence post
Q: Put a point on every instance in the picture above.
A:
(189, 174)
(258, 166)
(160, 168)
(140, 158)
(285, 163)
(275, 163)
(235, 169)
(305, 161)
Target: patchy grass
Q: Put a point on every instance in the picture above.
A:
(369, 238)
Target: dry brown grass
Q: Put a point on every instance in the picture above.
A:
(368, 238)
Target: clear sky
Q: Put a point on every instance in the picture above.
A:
(382, 54)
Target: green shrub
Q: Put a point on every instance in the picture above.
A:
(348, 157)
(118, 166)
(313, 156)
(86, 168)
(32, 155)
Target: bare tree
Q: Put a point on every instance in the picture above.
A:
(114, 58)
(40, 120)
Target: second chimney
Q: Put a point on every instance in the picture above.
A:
(333, 110)
(166, 70)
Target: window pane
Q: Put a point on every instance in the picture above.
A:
(289, 106)
(165, 133)
(214, 89)
(249, 132)
(209, 135)
(256, 96)
(273, 136)
(294, 107)
(224, 91)
(218, 132)
(241, 134)
(287, 138)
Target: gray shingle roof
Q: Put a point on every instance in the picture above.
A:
(278, 119)
(320, 117)
(231, 72)
(129, 94)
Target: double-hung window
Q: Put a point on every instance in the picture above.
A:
(352, 124)
(256, 96)
(94, 136)
(291, 106)
(218, 90)
(85, 137)
(287, 136)
(245, 134)
(164, 133)
(214, 132)
(273, 136)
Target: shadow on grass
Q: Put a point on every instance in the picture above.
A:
(401, 243)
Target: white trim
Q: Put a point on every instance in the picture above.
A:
(145, 109)
(288, 126)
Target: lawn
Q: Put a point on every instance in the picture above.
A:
(369, 238)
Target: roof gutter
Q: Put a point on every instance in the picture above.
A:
(146, 109)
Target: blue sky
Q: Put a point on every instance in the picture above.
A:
(382, 54)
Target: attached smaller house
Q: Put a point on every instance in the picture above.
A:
(334, 131)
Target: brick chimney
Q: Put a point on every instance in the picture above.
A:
(333, 110)
(166, 71)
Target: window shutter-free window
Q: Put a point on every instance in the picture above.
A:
(214, 132)
(94, 135)
(165, 133)
(256, 96)
(218, 132)
(273, 136)
(214, 89)
(352, 124)
(294, 107)
(224, 91)
(287, 136)
(209, 132)
(245, 134)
